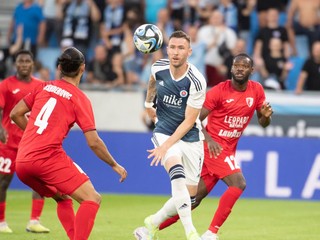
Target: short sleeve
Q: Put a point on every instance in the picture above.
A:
(198, 88)
(212, 97)
(84, 114)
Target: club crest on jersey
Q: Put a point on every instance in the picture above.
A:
(249, 101)
(183, 93)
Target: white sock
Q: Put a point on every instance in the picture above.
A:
(168, 210)
(181, 198)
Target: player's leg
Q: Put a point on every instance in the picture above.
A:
(34, 224)
(5, 180)
(89, 201)
(236, 185)
(205, 185)
(65, 213)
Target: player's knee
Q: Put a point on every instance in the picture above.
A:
(242, 185)
(96, 197)
(176, 172)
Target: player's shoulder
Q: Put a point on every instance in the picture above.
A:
(255, 85)
(196, 77)
(161, 63)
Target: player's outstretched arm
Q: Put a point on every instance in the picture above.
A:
(100, 149)
(18, 114)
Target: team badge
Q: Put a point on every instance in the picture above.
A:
(249, 101)
(183, 93)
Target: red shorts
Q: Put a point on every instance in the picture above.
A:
(7, 160)
(59, 174)
(214, 169)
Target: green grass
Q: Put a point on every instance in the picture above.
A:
(119, 215)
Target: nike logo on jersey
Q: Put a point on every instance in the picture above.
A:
(161, 83)
(16, 91)
(230, 100)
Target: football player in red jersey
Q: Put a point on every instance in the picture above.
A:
(229, 107)
(42, 162)
(12, 90)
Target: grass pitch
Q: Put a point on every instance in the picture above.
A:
(119, 215)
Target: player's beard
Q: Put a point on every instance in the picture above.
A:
(240, 81)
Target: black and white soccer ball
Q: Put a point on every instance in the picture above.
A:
(148, 38)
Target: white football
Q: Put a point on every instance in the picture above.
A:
(148, 38)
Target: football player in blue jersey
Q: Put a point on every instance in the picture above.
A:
(180, 89)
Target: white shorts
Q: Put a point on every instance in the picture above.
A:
(191, 153)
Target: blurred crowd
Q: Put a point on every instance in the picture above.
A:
(282, 36)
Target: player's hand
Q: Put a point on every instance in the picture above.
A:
(266, 110)
(3, 135)
(214, 148)
(157, 154)
(121, 171)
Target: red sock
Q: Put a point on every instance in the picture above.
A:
(227, 200)
(84, 219)
(169, 222)
(2, 211)
(36, 210)
(66, 216)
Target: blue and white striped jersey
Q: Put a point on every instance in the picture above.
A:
(173, 96)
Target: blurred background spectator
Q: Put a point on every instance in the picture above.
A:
(78, 17)
(276, 33)
(105, 68)
(309, 78)
(303, 19)
(112, 25)
(219, 40)
(28, 14)
(9, 52)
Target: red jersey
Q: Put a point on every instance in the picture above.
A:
(12, 90)
(231, 111)
(55, 107)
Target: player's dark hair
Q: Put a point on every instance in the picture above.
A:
(70, 62)
(180, 34)
(23, 51)
(243, 55)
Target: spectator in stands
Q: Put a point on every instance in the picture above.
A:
(177, 12)
(304, 19)
(166, 26)
(29, 14)
(309, 78)
(225, 67)
(272, 30)
(198, 49)
(264, 5)
(204, 11)
(230, 13)
(151, 8)
(10, 51)
(245, 9)
(105, 69)
(219, 39)
(78, 17)
(192, 16)
(132, 58)
(112, 26)
(275, 67)
(50, 9)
